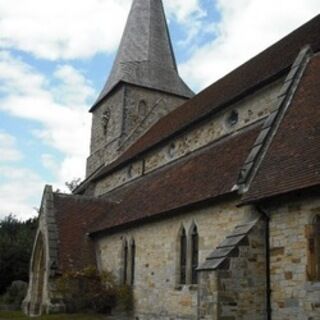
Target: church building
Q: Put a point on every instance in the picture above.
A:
(207, 205)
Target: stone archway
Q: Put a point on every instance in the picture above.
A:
(38, 275)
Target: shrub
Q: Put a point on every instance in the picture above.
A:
(89, 290)
(15, 293)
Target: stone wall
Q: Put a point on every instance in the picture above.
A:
(248, 110)
(124, 116)
(41, 294)
(158, 294)
(235, 288)
(105, 135)
(293, 296)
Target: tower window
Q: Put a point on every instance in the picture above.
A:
(183, 257)
(105, 119)
(142, 108)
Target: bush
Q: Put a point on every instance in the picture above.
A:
(15, 294)
(87, 290)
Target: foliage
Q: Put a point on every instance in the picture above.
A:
(16, 241)
(15, 293)
(20, 316)
(73, 184)
(89, 290)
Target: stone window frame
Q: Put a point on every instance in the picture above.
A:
(105, 121)
(232, 118)
(190, 252)
(128, 261)
(194, 243)
(312, 232)
(182, 256)
(142, 108)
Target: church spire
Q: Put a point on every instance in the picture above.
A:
(145, 56)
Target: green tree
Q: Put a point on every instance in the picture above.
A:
(16, 241)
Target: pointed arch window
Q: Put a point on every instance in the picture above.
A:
(313, 236)
(183, 257)
(128, 262)
(105, 119)
(142, 108)
(133, 258)
(194, 254)
(125, 262)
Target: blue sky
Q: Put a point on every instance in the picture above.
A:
(55, 57)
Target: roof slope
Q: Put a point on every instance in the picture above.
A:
(206, 174)
(293, 159)
(73, 217)
(145, 56)
(239, 83)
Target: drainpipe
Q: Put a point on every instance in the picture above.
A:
(266, 217)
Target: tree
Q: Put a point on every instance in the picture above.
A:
(16, 241)
(73, 184)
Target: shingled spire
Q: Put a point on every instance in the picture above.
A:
(143, 86)
(145, 56)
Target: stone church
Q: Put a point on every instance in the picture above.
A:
(207, 205)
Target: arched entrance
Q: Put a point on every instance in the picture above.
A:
(38, 274)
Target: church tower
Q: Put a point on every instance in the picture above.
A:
(143, 86)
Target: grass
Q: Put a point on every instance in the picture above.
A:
(13, 315)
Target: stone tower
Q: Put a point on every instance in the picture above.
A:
(143, 86)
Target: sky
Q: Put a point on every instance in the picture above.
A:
(55, 57)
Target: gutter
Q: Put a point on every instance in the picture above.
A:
(266, 217)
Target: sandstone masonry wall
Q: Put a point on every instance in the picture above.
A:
(236, 290)
(131, 111)
(249, 110)
(157, 292)
(293, 296)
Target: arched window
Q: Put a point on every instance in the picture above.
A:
(183, 256)
(313, 237)
(317, 240)
(194, 254)
(125, 262)
(133, 257)
(105, 119)
(142, 108)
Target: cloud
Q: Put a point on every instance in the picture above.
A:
(20, 189)
(72, 29)
(62, 29)
(182, 10)
(8, 148)
(246, 27)
(59, 105)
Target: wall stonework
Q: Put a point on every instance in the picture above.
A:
(142, 108)
(293, 296)
(131, 110)
(104, 144)
(42, 295)
(157, 258)
(251, 109)
(237, 289)
(119, 177)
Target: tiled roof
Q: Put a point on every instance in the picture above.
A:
(206, 174)
(73, 217)
(255, 73)
(292, 161)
